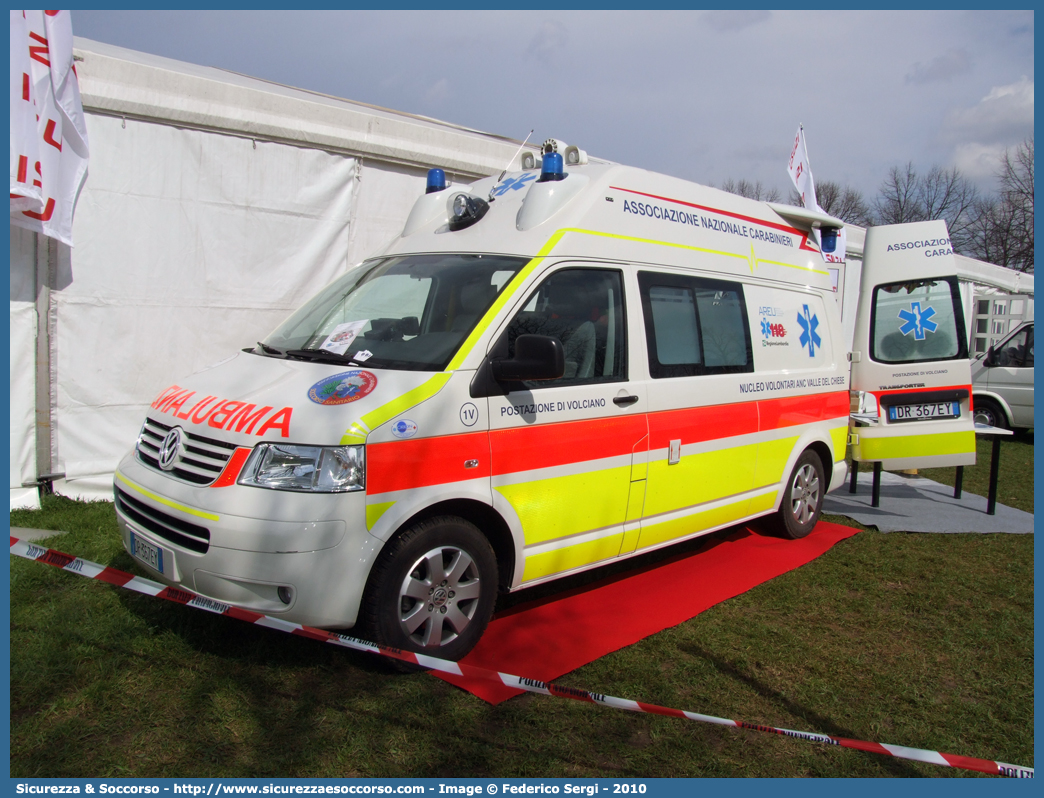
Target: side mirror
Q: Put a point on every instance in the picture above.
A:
(989, 359)
(537, 357)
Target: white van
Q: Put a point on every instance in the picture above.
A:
(544, 373)
(1002, 382)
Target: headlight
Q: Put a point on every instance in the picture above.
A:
(319, 469)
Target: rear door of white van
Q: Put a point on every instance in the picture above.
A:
(910, 352)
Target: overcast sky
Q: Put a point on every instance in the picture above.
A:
(704, 95)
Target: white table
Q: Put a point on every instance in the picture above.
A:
(997, 433)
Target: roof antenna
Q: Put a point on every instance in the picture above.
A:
(513, 157)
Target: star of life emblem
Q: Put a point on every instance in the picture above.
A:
(918, 321)
(809, 337)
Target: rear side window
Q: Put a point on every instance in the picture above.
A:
(917, 321)
(694, 326)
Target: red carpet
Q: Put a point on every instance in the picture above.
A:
(544, 639)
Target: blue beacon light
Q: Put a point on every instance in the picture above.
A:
(552, 168)
(436, 181)
(828, 239)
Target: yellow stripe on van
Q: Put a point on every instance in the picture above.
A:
(699, 478)
(653, 533)
(374, 513)
(892, 448)
(562, 506)
(358, 431)
(762, 504)
(793, 266)
(502, 300)
(839, 436)
(635, 500)
(565, 559)
(166, 502)
(772, 459)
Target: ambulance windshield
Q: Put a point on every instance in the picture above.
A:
(406, 312)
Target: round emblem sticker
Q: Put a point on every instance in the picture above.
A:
(340, 389)
(468, 414)
(404, 428)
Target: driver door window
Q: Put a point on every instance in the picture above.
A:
(1016, 352)
(584, 309)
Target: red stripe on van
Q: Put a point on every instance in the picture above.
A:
(792, 410)
(401, 465)
(231, 471)
(697, 424)
(548, 445)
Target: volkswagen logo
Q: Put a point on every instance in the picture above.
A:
(168, 450)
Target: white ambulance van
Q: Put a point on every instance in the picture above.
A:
(544, 373)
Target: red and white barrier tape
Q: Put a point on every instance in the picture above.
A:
(91, 570)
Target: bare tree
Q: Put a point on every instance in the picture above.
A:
(946, 194)
(897, 201)
(1016, 181)
(1003, 227)
(907, 196)
(844, 202)
(755, 191)
(994, 233)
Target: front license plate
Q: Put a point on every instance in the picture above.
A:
(925, 412)
(151, 555)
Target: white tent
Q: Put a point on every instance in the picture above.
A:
(215, 204)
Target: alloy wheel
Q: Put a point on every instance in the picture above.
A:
(439, 596)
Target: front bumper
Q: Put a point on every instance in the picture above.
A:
(302, 557)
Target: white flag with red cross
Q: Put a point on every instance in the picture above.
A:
(49, 147)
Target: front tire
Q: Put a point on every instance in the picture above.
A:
(432, 589)
(803, 498)
(988, 412)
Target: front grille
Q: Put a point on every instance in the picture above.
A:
(174, 530)
(199, 461)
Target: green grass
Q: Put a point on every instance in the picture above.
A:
(919, 640)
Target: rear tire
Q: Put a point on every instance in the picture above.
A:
(803, 497)
(989, 412)
(432, 589)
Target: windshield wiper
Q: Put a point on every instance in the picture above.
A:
(325, 356)
(269, 350)
(317, 355)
